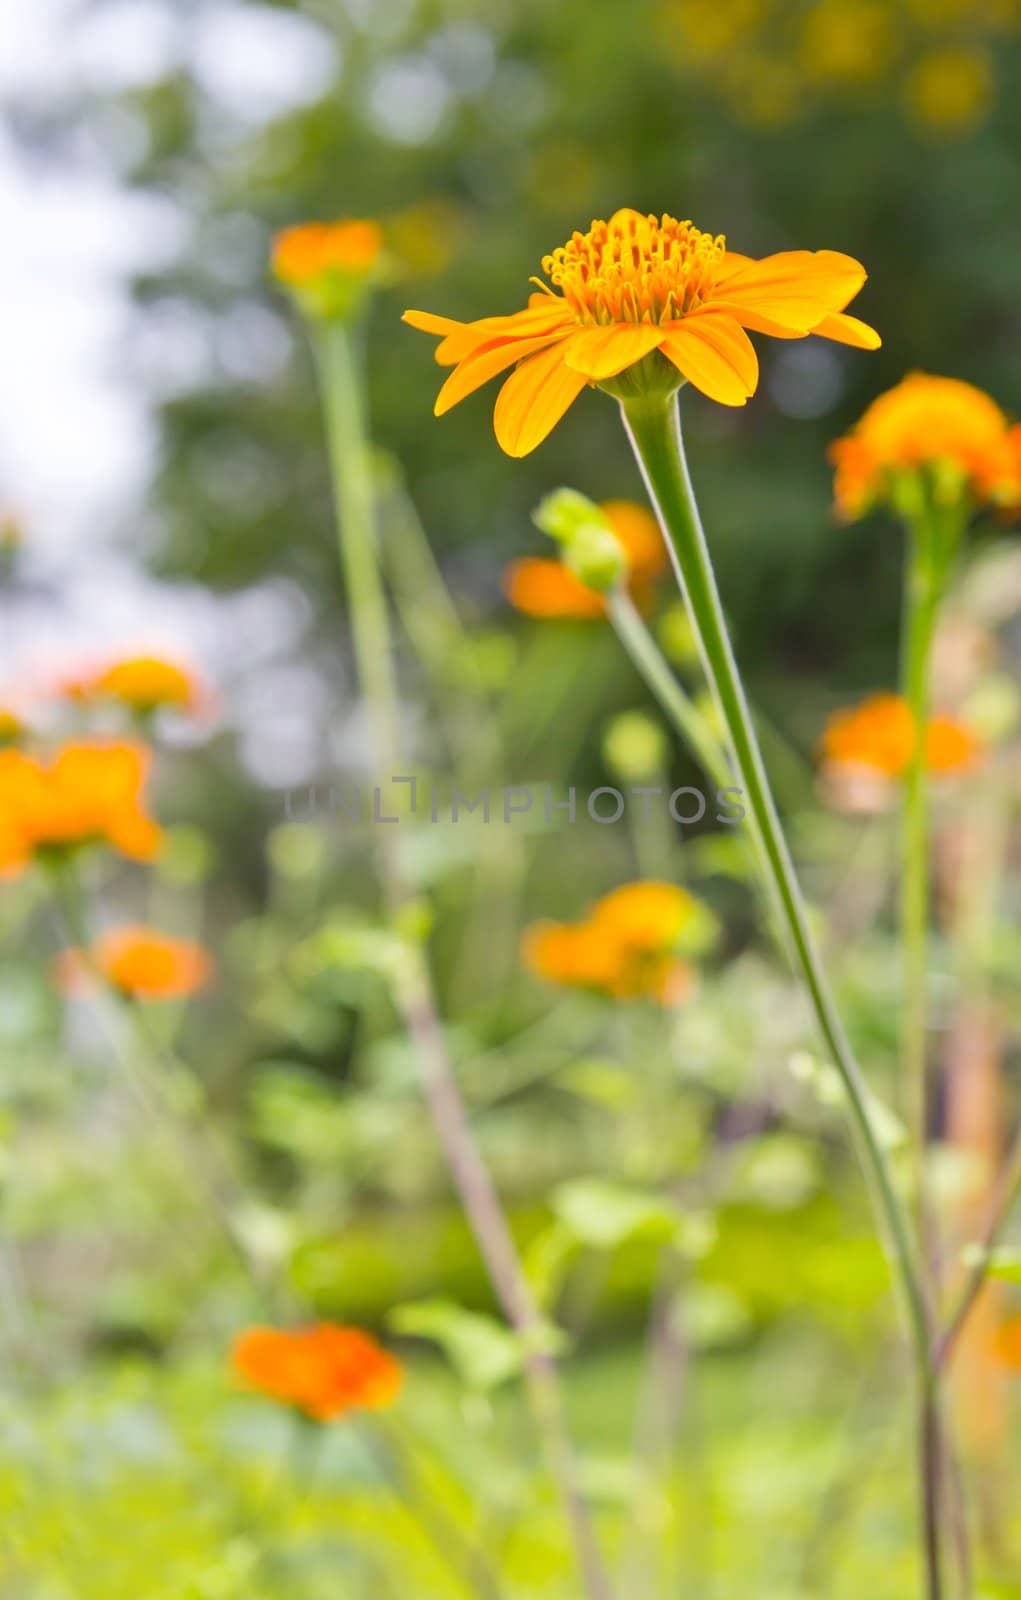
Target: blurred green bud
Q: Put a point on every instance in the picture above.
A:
(187, 856)
(564, 512)
(597, 557)
(591, 549)
(296, 849)
(993, 708)
(677, 636)
(635, 746)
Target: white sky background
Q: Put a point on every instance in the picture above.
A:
(76, 437)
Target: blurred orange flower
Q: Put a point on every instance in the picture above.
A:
(141, 962)
(145, 684)
(624, 947)
(928, 423)
(323, 1371)
(642, 289)
(88, 792)
(541, 587)
(878, 734)
(327, 265)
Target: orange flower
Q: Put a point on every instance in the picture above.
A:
(650, 290)
(146, 684)
(878, 735)
(141, 962)
(541, 587)
(89, 792)
(929, 423)
(328, 264)
(624, 947)
(323, 1371)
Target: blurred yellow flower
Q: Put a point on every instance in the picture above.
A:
(648, 292)
(146, 684)
(89, 792)
(848, 41)
(141, 962)
(950, 91)
(545, 588)
(938, 424)
(878, 734)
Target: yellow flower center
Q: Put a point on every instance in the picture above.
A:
(635, 269)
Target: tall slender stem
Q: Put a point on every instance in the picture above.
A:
(653, 426)
(920, 604)
(352, 482)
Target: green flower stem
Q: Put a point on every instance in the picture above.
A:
(356, 524)
(921, 597)
(693, 727)
(653, 426)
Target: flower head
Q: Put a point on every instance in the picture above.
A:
(322, 1371)
(648, 292)
(146, 684)
(541, 587)
(878, 735)
(937, 426)
(89, 792)
(328, 265)
(141, 962)
(626, 946)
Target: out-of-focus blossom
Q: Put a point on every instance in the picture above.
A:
(323, 1371)
(140, 962)
(328, 266)
(146, 684)
(89, 792)
(949, 91)
(878, 735)
(627, 946)
(949, 430)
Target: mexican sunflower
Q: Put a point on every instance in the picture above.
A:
(89, 792)
(541, 587)
(642, 292)
(141, 962)
(322, 1371)
(327, 265)
(625, 947)
(878, 734)
(146, 684)
(929, 424)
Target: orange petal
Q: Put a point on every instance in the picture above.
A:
(603, 352)
(848, 330)
(533, 400)
(477, 369)
(794, 289)
(471, 336)
(731, 342)
(709, 358)
(732, 262)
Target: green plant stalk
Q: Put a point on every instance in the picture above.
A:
(652, 423)
(347, 441)
(921, 598)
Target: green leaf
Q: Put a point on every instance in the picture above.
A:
(482, 1351)
(605, 1215)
